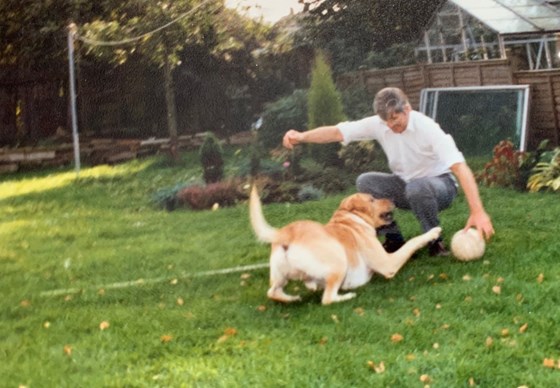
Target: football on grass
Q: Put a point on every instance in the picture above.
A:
(467, 245)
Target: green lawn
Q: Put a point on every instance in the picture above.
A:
(98, 290)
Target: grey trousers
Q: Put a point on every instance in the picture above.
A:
(426, 197)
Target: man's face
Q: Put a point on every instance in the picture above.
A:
(398, 121)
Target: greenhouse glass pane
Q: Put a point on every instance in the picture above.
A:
(478, 118)
(513, 16)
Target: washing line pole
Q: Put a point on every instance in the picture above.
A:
(72, 31)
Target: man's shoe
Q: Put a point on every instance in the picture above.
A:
(391, 245)
(437, 248)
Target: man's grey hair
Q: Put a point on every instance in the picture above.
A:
(388, 101)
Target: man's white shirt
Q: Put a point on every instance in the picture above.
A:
(422, 150)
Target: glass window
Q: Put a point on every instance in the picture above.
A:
(513, 16)
(478, 118)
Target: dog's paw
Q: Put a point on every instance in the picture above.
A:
(434, 232)
(311, 285)
(280, 296)
(339, 298)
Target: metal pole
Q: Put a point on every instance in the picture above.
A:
(427, 43)
(72, 30)
(547, 52)
(463, 35)
(441, 39)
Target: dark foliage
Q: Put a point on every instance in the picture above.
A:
(211, 157)
(358, 156)
(358, 103)
(281, 115)
(349, 31)
(333, 180)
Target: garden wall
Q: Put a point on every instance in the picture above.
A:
(544, 122)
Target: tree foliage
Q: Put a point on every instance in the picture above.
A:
(221, 66)
(186, 24)
(324, 104)
(324, 107)
(207, 57)
(160, 32)
(212, 159)
(349, 31)
(281, 115)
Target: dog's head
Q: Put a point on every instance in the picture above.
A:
(376, 212)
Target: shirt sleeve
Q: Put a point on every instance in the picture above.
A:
(444, 145)
(364, 129)
(448, 152)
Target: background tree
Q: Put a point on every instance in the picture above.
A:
(33, 49)
(350, 31)
(165, 29)
(324, 107)
(33, 33)
(222, 68)
(208, 58)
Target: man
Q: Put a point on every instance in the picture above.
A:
(424, 161)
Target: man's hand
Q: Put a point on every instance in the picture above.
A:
(482, 223)
(292, 138)
(478, 218)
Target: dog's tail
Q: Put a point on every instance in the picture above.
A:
(263, 230)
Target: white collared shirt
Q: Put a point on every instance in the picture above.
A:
(422, 150)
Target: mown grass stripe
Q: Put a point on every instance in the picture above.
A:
(139, 282)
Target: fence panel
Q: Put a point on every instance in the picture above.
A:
(545, 87)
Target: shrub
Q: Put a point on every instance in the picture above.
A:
(255, 158)
(504, 170)
(281, 115)
(324, 107)
(290, 160)
(167, 197)
(275, 191)
(546, 174)
(309, 193)
(530, 162)
(211, 157)
(358, 156)
(512, 168)
(266, 167)
(334, 180)
(199, 197)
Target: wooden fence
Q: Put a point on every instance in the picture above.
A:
(544, 121)
(544, 107)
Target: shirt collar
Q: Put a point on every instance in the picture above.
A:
(410, 126)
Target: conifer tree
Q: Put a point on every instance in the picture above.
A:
(324, 107)
(211, 158)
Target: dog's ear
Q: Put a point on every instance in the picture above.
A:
(347, 204)
(355, 204)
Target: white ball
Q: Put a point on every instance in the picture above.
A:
(467, 246)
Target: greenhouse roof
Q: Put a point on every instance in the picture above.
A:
(515, 16)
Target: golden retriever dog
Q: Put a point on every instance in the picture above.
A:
(343, 254)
